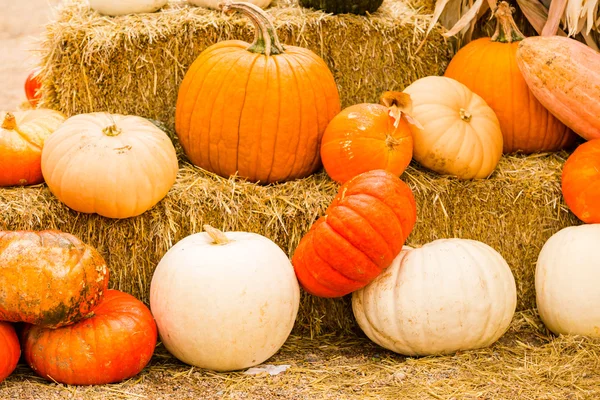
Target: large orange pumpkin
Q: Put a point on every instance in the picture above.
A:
(581, 182)
(489, 68)
(49, 278)
(258, 110)
(365, 137)
(10, 350)
(22, 136)
(113, 344)
(362, 232)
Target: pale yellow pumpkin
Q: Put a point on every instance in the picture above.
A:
(449, 295)
(113, 165)
(460, 133)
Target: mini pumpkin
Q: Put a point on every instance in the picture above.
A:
(363, 230)
(10, 350)
(22, 136)
(49, 278)
(113, 165)
(366, 137)
(33, 85)
(567, 278)
(224, 301)
(488, 67)
(581, 182)
(460, 134)
(124, 7)
(446, 296)
(256, 110)
(113, 344)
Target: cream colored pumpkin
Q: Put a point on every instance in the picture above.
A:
(461, 134)
(224, 301)
(449, 295)
(567, 281)
(113, 165)
(214, 4)
(124, 7)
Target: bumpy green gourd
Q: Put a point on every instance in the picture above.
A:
(343, 6)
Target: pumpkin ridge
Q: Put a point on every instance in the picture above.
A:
(280, 100)
(300, 145)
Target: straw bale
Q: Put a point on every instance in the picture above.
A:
(515, 211)
(526, 364)
(135, 64)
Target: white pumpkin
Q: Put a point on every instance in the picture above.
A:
(460, 133)
(214, 4)
(123, 7)
(449, 295)
(224, 301)
(567, 281)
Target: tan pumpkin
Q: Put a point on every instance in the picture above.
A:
(113, 165)
(460, 133)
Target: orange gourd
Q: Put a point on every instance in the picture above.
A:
(258, 110)
(10, 350)
(581, 182)
(489, 68)
(366, 137)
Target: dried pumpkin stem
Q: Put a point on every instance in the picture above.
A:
(112, 130)
(465, 115)
(506, 28)
(265, 41)
(216, 235)
(391, 142)
(9, 122)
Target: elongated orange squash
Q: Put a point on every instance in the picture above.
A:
(564, 75)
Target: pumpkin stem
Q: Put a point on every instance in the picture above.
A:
(465, 115)
(216, 235)
(391, 142)
(506, 28)
(265, 41)
(112, 130)
(9, 122)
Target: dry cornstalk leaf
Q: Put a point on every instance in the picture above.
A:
(557, 9)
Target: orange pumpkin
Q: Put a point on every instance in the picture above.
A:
(113, 344)
(366, 137)
(10, 350)
(581, 182)
(22, 136)
(257, 110)
(489, 68)
(49, 278)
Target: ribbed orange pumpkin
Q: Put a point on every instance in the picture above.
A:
(489, 68)
(581, 182)
(10, 350)
(365, 137)
(49, 278)
(259, 110)
(362, 232)
(113, 344)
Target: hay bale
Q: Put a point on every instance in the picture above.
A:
(135, 64)
(515, 211)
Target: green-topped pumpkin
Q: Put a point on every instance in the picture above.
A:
(360, 7)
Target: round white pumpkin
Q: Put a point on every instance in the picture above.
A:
(214, 4)
(115, 8)
(447, 296)
(224, 301)
(113, 165)
(567, 281)
(460, 133)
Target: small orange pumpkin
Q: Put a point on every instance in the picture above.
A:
(366, 137)
(581, 182)
(10, 350)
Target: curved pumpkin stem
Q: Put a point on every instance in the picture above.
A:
(265, 41)
(216, 235)
(9, 122)
(112, 130)
(506, 28)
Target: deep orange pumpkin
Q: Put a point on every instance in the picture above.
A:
(365, 137)
(259, 110)
(49, 278)
(114, 344)
(362, 232)
(489, 68)
(10, 350)
(581, 182)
